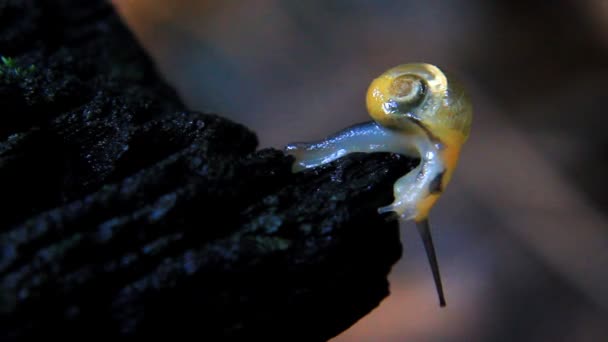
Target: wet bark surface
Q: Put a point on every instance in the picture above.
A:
(126, 214)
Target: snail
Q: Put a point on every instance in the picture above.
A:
(419, 112)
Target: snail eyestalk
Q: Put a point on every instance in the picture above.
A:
(418, 112)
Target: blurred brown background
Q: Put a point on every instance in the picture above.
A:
(522, 232)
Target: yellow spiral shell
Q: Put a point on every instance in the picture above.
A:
(421, 93)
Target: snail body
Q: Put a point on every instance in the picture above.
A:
(418, 112)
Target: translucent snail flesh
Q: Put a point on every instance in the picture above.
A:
(418, 112)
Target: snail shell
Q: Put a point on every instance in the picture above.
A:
(421, 93)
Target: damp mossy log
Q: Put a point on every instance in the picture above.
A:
(126, 214)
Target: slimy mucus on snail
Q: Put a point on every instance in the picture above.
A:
(418, 112)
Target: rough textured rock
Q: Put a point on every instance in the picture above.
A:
(125, 214)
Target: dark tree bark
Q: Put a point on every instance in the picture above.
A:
(124, 214)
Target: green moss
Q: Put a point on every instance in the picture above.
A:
(8, 62)
(269, 244)
(10, 69)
